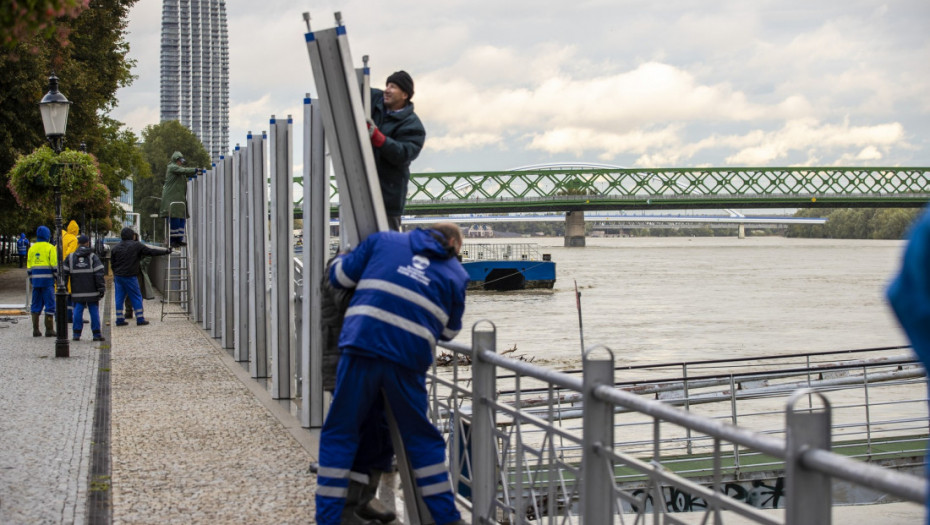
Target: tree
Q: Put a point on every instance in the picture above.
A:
(21, 20)
(92, 65)
(159, 142)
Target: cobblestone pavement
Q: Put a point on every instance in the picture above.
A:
(46, 418)
(190, 442)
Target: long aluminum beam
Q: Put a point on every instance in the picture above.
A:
(344, 119)
(258, 260)
(315, 251)
(241, 254)
(280, 148)
(226, 242)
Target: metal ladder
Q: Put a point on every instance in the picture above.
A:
(176, 288)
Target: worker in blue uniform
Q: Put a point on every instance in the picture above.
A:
(909, 295)
(409, 293)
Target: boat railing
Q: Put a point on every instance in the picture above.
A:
(500, 252)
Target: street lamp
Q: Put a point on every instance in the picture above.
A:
(54, 108)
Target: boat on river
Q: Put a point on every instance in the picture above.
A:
(504, 267)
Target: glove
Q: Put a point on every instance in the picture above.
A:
(102, 293)
(377, 138)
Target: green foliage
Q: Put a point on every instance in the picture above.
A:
(92, 65)
(23, 19)
(33, 178)
(159, 142)
(856, 223)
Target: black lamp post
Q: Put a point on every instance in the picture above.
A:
(54, 107)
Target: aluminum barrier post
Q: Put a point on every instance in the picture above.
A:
(241, 254)
(226, 259)
(280, 147)
(219, 258)
(808, 494)
(203, 213)
(238, 218)
(219, 276)
(597, 472)
(484, 421)
(258, 258)
(192, 300)
(211, 253)
(316, 251)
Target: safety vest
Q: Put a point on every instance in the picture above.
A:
(41, 264)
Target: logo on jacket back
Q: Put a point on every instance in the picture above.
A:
(416, 269)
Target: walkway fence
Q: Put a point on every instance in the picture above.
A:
(527, 443)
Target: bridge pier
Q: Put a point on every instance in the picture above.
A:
(741, 231)
(574, 229)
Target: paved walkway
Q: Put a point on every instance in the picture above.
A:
(192, 438)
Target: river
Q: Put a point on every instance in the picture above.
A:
(670, 299)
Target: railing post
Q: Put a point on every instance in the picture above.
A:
(809, 499)
(482, 441)
(597, 473)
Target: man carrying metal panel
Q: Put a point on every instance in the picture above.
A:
(397, 136)
(409, 293)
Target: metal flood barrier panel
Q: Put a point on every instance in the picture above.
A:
(282, 259)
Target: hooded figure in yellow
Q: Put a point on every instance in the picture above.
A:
(69, 245)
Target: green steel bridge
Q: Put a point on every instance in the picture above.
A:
(560, 189)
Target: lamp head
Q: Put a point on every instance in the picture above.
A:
(54, 108)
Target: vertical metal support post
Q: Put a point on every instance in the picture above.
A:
(219, 319)
(484, 421)
(316, 251)
(211, 254)
(193, 236)
(597, 473)
(258, 258)
(241, 254)
(361, 205)
(809, 498)
(226, 241)
(364, 85)
(280, 148)
(203, 252)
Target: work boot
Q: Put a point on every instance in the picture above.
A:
(98, 337)
(76, 336)
(50, 326)
(349, 513)
(35, 326)
(369, 506)
(141, 321)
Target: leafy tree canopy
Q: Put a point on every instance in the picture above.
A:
(92, 63)
(23, 19)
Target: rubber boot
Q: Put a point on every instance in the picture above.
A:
(35, 326)
(349, 514)
(50, 326)
(369, 506)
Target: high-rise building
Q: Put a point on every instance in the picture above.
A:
(195, 70)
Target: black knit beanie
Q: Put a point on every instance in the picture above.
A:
(402, 80)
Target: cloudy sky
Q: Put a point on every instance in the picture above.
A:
(674, 83)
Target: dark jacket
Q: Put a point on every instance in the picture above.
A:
(175, 188)
(85, 270)
(409, 293)
(405, 137)
(125, 256)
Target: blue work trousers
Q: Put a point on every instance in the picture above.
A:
(43, 296)
(128, 287)
(359, 382)
(78, 323)
(176, 229)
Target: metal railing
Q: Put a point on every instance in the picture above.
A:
(527, 443)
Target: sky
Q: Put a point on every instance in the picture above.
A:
(640, 84)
